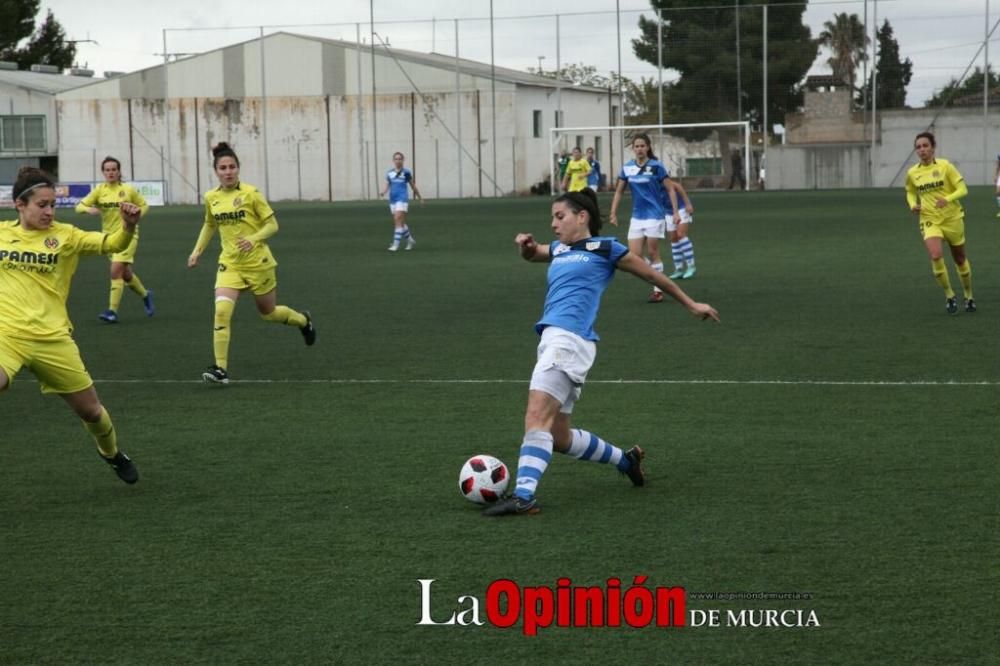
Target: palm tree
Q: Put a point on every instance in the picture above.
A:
(845, 37)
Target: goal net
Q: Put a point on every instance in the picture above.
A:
(702, 155)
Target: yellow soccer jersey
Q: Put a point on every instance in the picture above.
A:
(925, 184)
(238, 213)
(106, 197)
(36, 268)
(578, 170)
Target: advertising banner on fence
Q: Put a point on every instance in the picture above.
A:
(69, 195)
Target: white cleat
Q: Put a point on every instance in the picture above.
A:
(393, 247)
(410, 243)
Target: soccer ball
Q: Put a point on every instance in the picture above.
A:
(483, 479)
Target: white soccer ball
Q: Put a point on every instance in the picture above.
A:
(483, 479)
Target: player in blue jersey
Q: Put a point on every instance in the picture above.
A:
(397, 181)
(681, 246)
(582, 266)
(594, 177)
(647, 179)
(996, 179)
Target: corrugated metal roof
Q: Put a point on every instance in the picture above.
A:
(46, 83)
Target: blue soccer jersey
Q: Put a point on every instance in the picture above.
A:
(594, 178)
(646, 184)
(399, 181)
(578, 275)
(668, 210)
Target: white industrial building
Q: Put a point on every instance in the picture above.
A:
(29, 132)
(299, 111)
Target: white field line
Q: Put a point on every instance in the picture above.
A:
(672, 382)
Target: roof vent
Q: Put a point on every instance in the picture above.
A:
(112, 75)
(79, 71)
(46, 69)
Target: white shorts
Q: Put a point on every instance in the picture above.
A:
(998, 182)
(685, 219)
(564, 359)
(399, 207)
(646, 229)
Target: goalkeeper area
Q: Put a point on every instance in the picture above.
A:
(834, 436)
(703, 156)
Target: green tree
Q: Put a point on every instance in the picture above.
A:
(640, 98)
(46, 46)
(962, 92)
(700, 43)
(845, 37)
(893, 74)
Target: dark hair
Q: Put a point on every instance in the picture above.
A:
(111, 159)
(28, 180)
(649, 143)
(584, 200)
(223, 149)
(398, 153)
(926, 135)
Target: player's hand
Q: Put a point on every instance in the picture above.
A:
(690, 208)
(130, 213)
(93, 210)
(677, 218)
(704, 311)
(613, 219)
(245, 244)
(526, 241)
(193, 260)
(941, 202)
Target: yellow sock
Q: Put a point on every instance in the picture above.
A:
(941, 275)
(282, 314)
(136, 285)
(116, 294)
(220, 334)
(103, 432)
(965, 275)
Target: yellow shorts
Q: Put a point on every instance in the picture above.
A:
(258, 280)
(952, 229)
(126, 256)
(55, 362)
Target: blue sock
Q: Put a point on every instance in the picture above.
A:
(536, 452)
(397, 236)
(687, 247)
(678, 256)
(405, 231)
(588, 446)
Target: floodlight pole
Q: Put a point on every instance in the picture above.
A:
(371, 15)
(659, 74)
(871, 156)
(263, 111)
(167, 193)
(763, 158)
(493, 94)
(986, 92)
(458, 109)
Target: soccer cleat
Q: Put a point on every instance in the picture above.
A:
(951, 305)
(109, 316)
(688, 274)
(970, 305)
(215, 375)
(635, 473)
(676, 275)
(147, 303)
(308, 331)
(511, 506)
(655, 297)
(393, 247)
(410, 243)
(124, 467)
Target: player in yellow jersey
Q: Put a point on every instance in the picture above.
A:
(245, 221)
(933, 188)
(104, 200)
(575, 178)
(38, 257)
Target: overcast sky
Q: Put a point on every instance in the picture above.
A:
(941, 38)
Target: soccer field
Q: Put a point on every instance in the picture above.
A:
(834, 437)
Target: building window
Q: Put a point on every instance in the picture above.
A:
(614, 115)
(579, 141)
(536, 120)
(597, 148)
(559, 118)
(23, 134)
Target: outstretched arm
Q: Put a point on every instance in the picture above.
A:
(634, 264)
(613, 217)
(530, 249)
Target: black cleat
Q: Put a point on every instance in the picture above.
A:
(124, 467)
(635, 473)
(511, 506)
(970, 305)
(215, 375)
(951, 305)
(308, 331)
